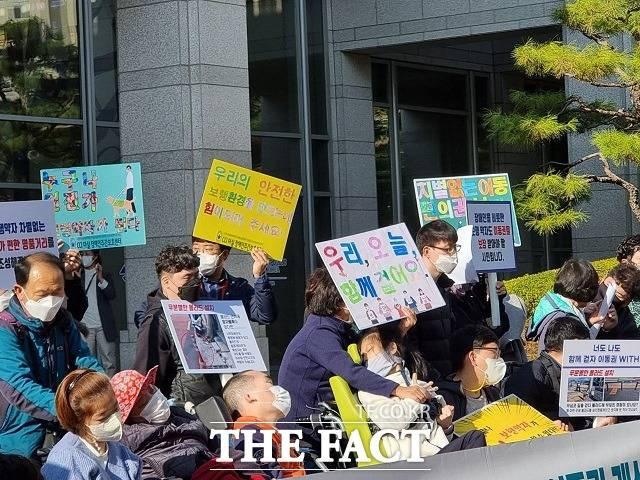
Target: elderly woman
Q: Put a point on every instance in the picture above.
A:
(318, 352)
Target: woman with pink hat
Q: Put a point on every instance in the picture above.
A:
(170, 442)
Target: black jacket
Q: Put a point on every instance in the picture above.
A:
(177, 448)
(451, 391)
(538, 383)
(76, 299)
(626, 329)
(104, 297)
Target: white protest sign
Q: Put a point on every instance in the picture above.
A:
(492, 241)
(600, 378)
(465, 271)
(604, 308)
(377, 273)
(25, 228)
(213, 336)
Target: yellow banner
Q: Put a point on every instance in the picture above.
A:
(245, 209)
(506, 421)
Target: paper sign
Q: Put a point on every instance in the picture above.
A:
(506, 421)
(97, 206)
(213, 336)
(445, 198)
(377, 273)
(492, 241)
(25, 228)
(600, 378)
(246, 209)
(608, 299)
(465, 271)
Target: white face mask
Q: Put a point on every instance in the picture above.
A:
(108, 431)
(446, 263)
(87, 261)
(209, 263)
(382, 363)
(282, 399)
(496, 370)
(5, 298)
(157, 410)
(44, 309)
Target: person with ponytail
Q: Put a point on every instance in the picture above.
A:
(87, 408)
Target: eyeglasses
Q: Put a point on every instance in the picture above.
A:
(455, 249)
(495, 350)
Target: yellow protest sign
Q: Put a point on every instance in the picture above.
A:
(506, 421)
(245, 209)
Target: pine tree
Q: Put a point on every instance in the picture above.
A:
(548, 201)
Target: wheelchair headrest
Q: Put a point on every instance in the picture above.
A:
(353, 352)
(214, 413)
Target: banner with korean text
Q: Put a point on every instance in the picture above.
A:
(244, 209)
(25, 228)
(445, 197)
(377, 272)
(95, 207)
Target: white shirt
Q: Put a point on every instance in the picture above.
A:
(129, 179)
(101, 459)
(91, 317)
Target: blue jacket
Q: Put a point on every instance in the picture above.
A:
(259, 301)
(34, 358)
(71, 459)
(316, 353)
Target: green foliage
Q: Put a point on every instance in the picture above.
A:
(598, 17)
(618, 146)
(525, 130)
(547, 202)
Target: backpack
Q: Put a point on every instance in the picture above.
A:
(538, 332)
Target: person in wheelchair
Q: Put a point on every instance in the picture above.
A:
(255, 403)
(169, 441)
(382, 350)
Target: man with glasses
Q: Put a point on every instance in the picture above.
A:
(478, 369)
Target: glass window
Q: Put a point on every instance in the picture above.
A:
(382, 143)
(431, 145)
(322, 222)
(104, 59)
(273, 80)
(108, 145)
(481, 92)
(315, 45)
(28, 147)
(279, 157)
(19, 194)
(39, 67)
(429, 88)
(319, 157)
(380, 82)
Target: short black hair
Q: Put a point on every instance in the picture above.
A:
(561, 329)
(465, 340)
(434, 232)
(16, 466)
(175, 258)
(627, 276)
(577, 280)
(321, 296)
(628, 247)
(23, 267)
(128, 166)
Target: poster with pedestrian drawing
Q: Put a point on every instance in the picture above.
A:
(446, 198)
(377, 273)
(213, 336)
(25, 228)
(98, 206)
(600, 378)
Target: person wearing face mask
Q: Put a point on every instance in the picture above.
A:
(169, 441)
(478, 370)
(91, 450)
(318, 352)
(177, 270)
(628, 252)
(627, 279)
(102, 333)
(257, 404)
(574, 294)
(40, 344)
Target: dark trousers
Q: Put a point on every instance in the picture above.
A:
(130, 198)
(472, 439)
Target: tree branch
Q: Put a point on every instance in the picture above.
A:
(611, 177)
(568, 166)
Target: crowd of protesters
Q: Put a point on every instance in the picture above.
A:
(67, 413)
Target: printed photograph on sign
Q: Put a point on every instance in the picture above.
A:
(492, 246)
(213, 336)
(446, 198)
(244, 209)
(25, 228)
(96, 207)
(600, 378)
(378, 273)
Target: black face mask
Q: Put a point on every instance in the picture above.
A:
(190, 291)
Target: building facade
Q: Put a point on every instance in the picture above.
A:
(351, 98)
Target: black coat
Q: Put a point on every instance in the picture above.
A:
(76, 298)
(104, 297)
(538, 384)
(451, 391)
(177, 448)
